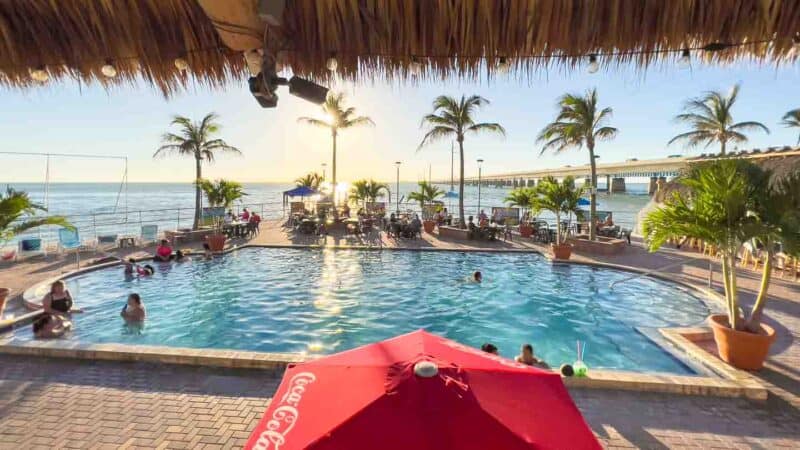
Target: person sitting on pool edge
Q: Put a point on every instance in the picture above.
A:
(49, 326)
(58, 301)
(163, 251)
(526, 357)
(490, 348)
(133, 311)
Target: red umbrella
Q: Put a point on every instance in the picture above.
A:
(420, 391)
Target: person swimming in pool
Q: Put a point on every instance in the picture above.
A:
(207, 253)
(181, 257)
(58, 301)
(133, 311)
(476, 277)
(145, 271)
(490, 348)
(49, 326)
(130, 266)
(527, 357)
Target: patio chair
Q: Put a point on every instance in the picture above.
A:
(70, 240)
(29, 247)
(148, 234)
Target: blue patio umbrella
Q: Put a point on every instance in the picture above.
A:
(300, 191)
(451, 194)
(583, 202)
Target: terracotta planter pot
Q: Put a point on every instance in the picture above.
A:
(3, 297)
(741, 349)
(216, 242)
(563, 251)
(428, 225)
(526, 230)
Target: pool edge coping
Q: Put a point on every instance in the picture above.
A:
(730, 383)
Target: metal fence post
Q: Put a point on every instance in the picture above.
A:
(94, 225)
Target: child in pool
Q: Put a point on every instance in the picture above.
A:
(145, 271)
(50, 326)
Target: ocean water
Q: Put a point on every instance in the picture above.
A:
(102, 208)
(326, 301)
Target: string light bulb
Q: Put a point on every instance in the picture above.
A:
(181, 64)
(414, 67)
(503, 65)
(108, 69)
(593, 65)
(796, 41)
(685, 59)
(332, 63)
(39, 74)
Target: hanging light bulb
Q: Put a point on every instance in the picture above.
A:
(593, 65)
(39, 74)
(414, 67)
(796, 41)
(108, 69)
(503, 65)
(181, 64)
(332, 63)
(685, 59)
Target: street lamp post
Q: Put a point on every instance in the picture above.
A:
(480, 162)
(397, 192)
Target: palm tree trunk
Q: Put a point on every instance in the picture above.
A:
(722, 147)
(558, 229)
(197, 193)
(593, 194)
(461, 224)
(333, 135)
(754, 323)
(735, 323)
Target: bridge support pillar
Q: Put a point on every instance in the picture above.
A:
(516, 183)
(608, 183)
(651, 188)
(587, 182)
(531, 183)
(617, 185)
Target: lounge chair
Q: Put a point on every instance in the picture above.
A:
(29, 247)
(70, 240)
(149, 234)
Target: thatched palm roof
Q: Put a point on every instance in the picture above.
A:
(376, 37)
(73, 38)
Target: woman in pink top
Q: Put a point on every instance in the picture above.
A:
(163, 251)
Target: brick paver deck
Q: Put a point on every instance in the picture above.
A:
(77, 404)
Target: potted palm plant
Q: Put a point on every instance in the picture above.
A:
(522, 197)
(558, 198)
(16, 216)
(730, 202)
(426, 195)
(367, 190)
(220, 193)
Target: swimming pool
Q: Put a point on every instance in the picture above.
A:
(325, 301)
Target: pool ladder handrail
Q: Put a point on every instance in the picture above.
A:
(646, 273)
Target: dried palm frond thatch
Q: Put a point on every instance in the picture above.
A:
(73, 38)
(380, 37)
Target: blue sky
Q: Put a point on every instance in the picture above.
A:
(128, 121)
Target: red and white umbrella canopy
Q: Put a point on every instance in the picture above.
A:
(420, 391)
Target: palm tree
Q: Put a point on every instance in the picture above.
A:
(338, 118)
(311, 180)
(711, 121)
(579, 123)
(195, 140)
(778, 213)
(558, 198)
(792, 119)
(367, 190)
(16, 209)
(522, 197)
(717, 210)
(221, 192)
(427, 194)
(454, 118)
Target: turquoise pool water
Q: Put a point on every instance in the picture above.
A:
(324, 301)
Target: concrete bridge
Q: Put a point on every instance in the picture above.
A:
(616, 172)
